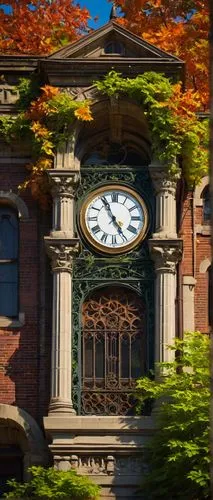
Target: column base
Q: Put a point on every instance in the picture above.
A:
(61, 406)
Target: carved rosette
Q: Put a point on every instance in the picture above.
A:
(64, 183)
(166, 255)
(62, 253)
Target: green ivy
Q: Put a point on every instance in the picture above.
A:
(50, 483)
(178, 457)
(173, 136)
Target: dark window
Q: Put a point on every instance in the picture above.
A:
(114, 47)
(206, 205)
(8, 261)
(115, 154)
(11, 466)
(113, 350)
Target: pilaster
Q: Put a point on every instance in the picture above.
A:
(62, 247)
(165, 188)
(165, 254)
(64, 184)
(61, 253)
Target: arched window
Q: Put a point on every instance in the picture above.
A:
(206, 205)
(8, 261)
(113, 350)
(115, 154)
(114, 47)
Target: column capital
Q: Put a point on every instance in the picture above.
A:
(61, 253)
(64, 182)
(162, 180)
(166, 254)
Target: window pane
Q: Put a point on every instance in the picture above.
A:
(9, 289)
(8, 233)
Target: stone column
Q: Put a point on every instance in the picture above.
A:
(166, 251)
(165, 189)
(165, 257)
(61, 253)
(62, 246)
(64, 183)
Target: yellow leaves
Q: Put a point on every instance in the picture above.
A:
(83, 113)
(40, 131)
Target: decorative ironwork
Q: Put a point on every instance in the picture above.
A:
(132, 272)
(113, 350)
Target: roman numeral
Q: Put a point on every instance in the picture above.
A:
(132, 229)
(96, 229)
(135, 217)
(114, 240)
(94, 208)
(114, 197)
(124, 201)
(104, 238)
(132, 208)
(93, 218)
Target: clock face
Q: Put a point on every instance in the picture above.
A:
(114, 219)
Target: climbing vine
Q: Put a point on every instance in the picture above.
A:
(46, 116)
(44, 121)
(176, 130)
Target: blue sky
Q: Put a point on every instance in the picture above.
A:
(100, 8)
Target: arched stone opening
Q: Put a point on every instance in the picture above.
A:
(22, 444)
(118, 122)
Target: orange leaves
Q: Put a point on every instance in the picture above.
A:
(177, 26)
(39, 108)
(40, 26)
(83, 113)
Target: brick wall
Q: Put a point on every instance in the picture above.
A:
(24, 354)
(197, 248)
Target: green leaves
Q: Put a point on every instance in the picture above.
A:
(179, 455)
(175, 129)
(49, 483)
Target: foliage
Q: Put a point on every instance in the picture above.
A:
(180, 27)
(178, 456)
(50, 483)
(40, 26)
(45, 120)
(174, 125)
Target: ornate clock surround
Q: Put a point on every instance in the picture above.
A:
(94, 270)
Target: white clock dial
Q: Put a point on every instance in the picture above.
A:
(115, 218)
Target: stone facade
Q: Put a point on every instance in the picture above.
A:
(38, 347)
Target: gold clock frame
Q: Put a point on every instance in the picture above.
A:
(98, 246)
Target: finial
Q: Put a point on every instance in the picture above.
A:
(113, 13)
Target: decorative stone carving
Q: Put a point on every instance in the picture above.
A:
(62, 253)
(64, 183)
(165, 256)
(101, 465)
(8, 94)
(161, 180)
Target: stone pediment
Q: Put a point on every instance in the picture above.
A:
(113, 41)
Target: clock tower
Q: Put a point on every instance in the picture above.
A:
(113, 249)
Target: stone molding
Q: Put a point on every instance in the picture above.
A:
(166, 254)
(61, 253)
(16, 201)
(100, 465)
(64, 183)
